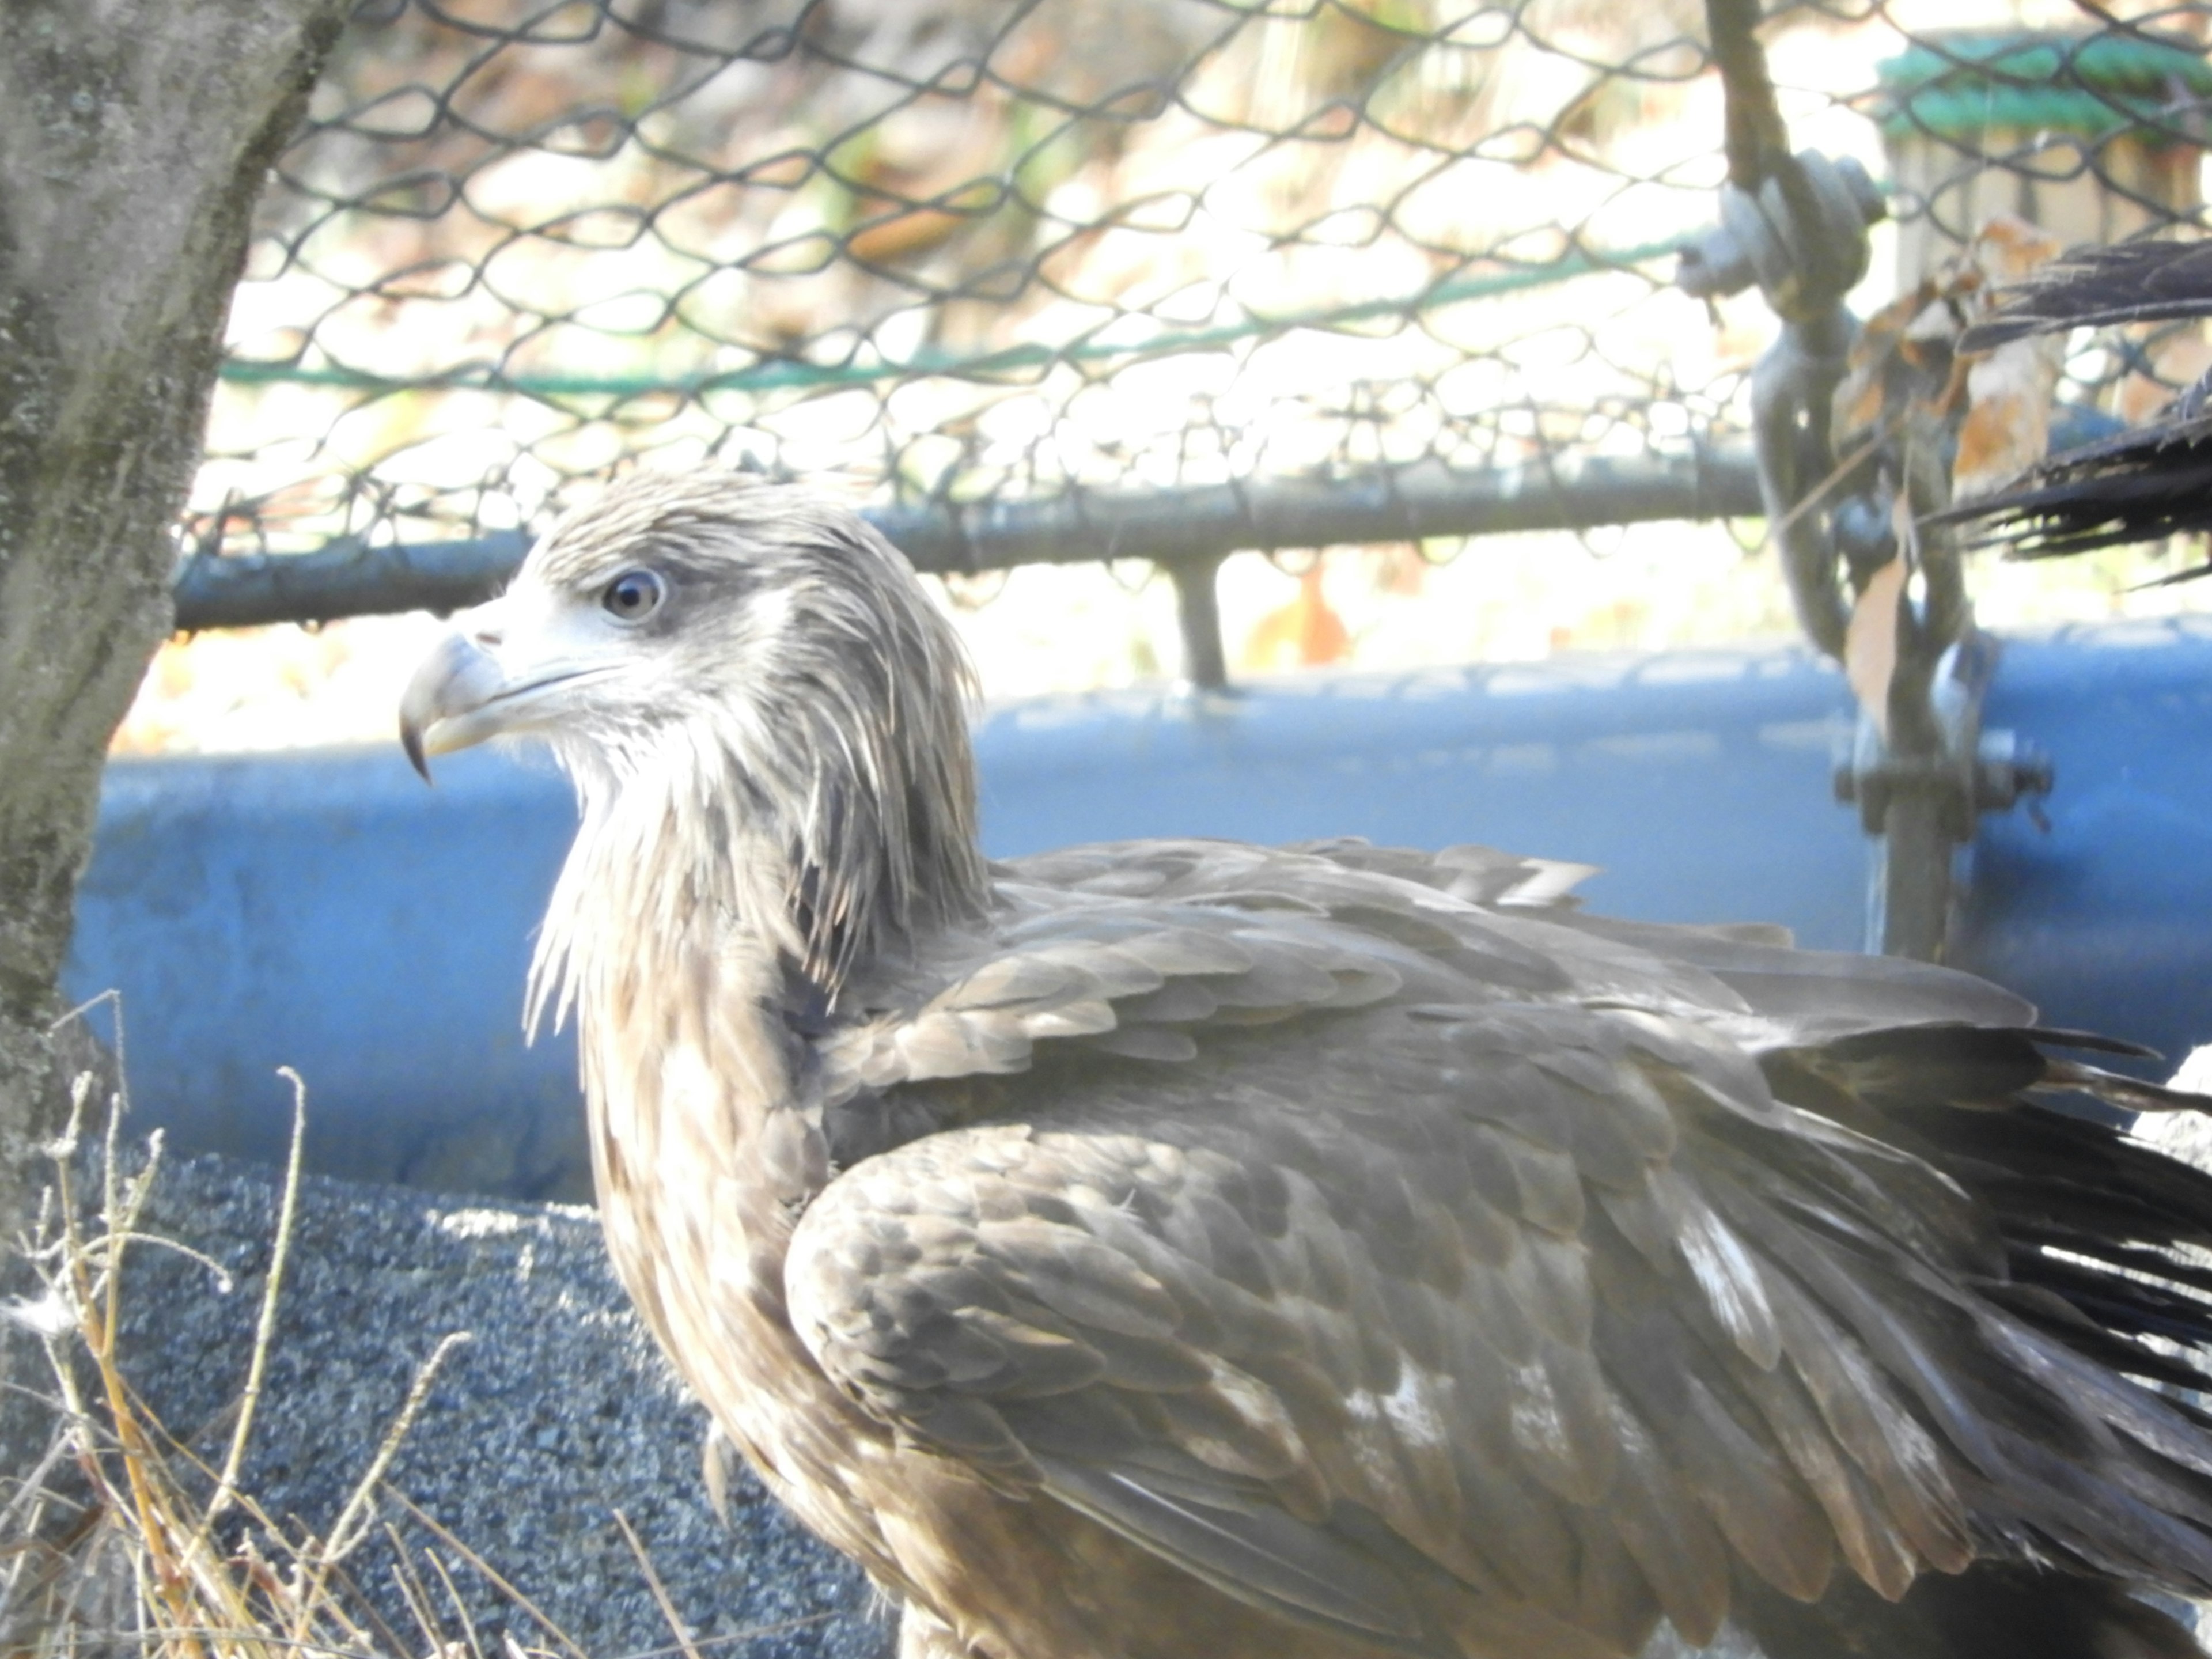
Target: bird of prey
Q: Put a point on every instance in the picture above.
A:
(1185, 1249)
(2142, 485)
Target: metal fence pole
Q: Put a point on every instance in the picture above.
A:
(1172, 527)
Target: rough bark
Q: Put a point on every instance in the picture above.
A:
(133, 138)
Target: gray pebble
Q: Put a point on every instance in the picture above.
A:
(557, 1412)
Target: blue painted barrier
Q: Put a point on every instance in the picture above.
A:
(2105, 917)
(325, 911)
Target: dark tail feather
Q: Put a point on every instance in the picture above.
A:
(1993, 1611)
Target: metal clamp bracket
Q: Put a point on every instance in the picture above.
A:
(1923, 791)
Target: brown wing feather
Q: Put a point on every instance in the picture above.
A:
(1316, 1314)
(1400, 1300)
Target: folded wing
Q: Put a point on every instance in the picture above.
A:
(1460, 1274)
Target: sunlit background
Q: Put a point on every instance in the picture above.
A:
(530, 243)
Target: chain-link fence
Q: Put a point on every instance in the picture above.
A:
(1069, 279)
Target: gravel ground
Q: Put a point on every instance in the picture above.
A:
(554, 1415)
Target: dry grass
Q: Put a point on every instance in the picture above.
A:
(123, 1539)
(120, 1540)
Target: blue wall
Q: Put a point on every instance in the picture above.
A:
(326, 911)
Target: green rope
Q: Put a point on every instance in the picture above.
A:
(1965, 83)
(786, 375)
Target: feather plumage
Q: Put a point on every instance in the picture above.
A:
(2142, 485)
(1163, 1248)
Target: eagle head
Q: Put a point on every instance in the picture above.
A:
(678, 599)
(736, 674)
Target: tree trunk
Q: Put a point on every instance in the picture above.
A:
(135, 135)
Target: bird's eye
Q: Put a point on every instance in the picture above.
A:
(634, 595)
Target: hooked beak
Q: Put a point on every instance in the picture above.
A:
(505, 667)
(453, 702)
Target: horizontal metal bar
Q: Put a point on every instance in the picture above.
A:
(1169, 526)
(342, 578)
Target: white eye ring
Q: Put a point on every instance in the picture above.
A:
(634, 595)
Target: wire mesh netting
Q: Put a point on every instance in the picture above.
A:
(1013, 254)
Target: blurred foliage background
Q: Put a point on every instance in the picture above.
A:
(1004, 250)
